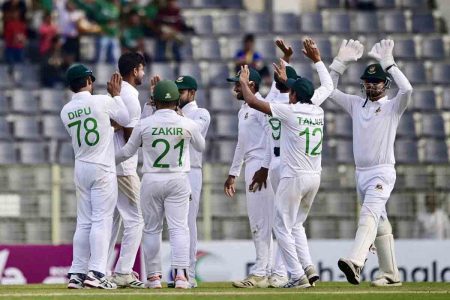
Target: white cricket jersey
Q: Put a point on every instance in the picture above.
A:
(202, 118)
(147, 110)
(130, 97)
(165, 137)
(87, 119)
(375, 125)
(252, 137)
(301, 141)
(274, 96)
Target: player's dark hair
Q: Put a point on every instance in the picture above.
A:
(129, 61)
(77, 84)
(166, 104)
(302, 99)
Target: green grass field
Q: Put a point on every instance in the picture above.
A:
(221, 290)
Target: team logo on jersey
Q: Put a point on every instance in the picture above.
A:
(168, 96)
(372, 70)
(180, 79)
(379, 187)
(246, 116)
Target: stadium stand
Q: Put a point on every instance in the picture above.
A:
(32, 138)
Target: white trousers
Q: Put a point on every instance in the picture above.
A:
(293, 201)
(195, 179)
(374, 187)
(96, 191)
(260, 209)
(162, 196)
(128, 209)
(304, 255)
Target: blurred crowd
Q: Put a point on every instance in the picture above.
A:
(54, 27)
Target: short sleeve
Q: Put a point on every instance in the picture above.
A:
(280, 110)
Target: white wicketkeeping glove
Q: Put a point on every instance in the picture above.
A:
(348, 52)
(382, 52)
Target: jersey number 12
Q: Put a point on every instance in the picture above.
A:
(317, 149)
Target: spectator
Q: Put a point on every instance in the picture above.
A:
(54, 64)
(133, 35)
(15, 33)
(47, 31)
(11, 6)
(434, 222)
(106, 14)
(150, 12)
(68, 22)
(171, 27)
(249, 56)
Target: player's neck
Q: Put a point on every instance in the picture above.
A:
(130, 81)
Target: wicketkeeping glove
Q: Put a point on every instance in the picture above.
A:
(382, 52)
(348, 52)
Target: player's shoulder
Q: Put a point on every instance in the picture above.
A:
(203, 112)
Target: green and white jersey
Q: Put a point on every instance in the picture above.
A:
(87, 119)
(165, 137)
(301, 141)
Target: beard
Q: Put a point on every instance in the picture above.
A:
(374, 93)
(138, 81)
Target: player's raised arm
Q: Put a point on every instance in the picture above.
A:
(349, 51)
(249, 97)
(382, 52)
(130, 148)
(326, 84)
(116, 109)
(149, 106)
(286, 49)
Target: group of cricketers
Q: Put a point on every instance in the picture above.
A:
(280, 139)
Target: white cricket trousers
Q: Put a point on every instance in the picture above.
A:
(293, 201)
(260, 209)
(96, 198)
(374, 187)
(305, 256)
(128, 209)
(165, 194)
(195, 179)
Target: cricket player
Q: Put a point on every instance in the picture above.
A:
(187, 86)
(375, 120)
(300, 146)
(128, 209)
(250, 149)
(166, 138)
(280, 94)
(87, 119)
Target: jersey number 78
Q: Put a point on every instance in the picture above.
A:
(90, 127)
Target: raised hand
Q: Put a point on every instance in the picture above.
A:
(244, 75)
(287, 50)
(153, 81)
(280, 71)
(114, 85)
(382, 52)
(348, 52)
(310, 50)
